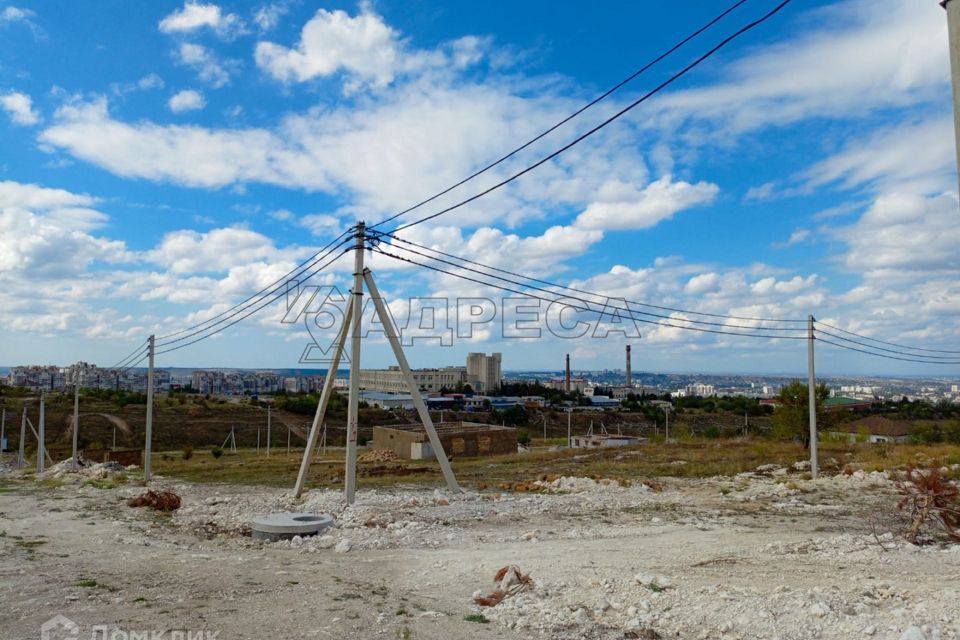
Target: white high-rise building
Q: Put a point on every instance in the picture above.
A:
(486, 369)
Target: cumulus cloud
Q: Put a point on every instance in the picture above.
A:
(619, 205)
(19, 107)
(268, 16)
(363, 46)
(217, 250)
(186, 100)
(197, 15)
(45, 233)
(797, 237)
(205, 62)
(907, 232)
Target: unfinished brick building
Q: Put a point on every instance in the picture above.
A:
(459, 439)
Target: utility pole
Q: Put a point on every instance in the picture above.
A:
(268, 429)
(812, 395)
(76, 421)
(41, 448)
(953, 27)
(147, 446)
(666, 425)
(356, 300)
(288, 439)
(3, 428)
(569, 437)
(544, 428)
(21, 458)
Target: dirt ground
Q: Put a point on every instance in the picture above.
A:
(759, 555)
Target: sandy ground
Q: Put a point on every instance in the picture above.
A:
(765, 555)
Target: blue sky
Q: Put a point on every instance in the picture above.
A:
(161, 161)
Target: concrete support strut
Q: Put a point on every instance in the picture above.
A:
(325, 394)
(394, 337)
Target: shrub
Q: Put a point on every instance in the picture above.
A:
(216, 452)
(523, 437)
(187, 452)
(712, 432)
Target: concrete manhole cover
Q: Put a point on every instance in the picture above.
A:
(283, 526)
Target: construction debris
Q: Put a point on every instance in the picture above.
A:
(85, 469)
(157, 500)
(512, 581)
(378, 455)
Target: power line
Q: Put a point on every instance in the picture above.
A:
(892, 344)
(313, 259)
(607, 298)
(573, 115)
(629, 312)
(606, 122)
(274, 290)
(553, 284)
(135, 352)
(881, 355)
(250, 313)
(870, 346)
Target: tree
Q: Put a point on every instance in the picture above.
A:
(791, 418)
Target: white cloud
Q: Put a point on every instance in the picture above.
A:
(268, 16)
(905, 232)
(32, 196)
(150, 81)
(189, 251)
(852, 58)
(913, 155)
(331, 41)
(364, 47)
(619, 205)
(45, 233)
(798, 236)
(321, 225)
(703, 283)
(208, 67)
(186, 100)
(197, 15)
(19, 107)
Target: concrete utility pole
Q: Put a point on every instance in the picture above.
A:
(41, 448)
(953, 27)
(812, 394)
(76, 422)
(569, 436)
(3, 428)
(147, 446)
(268, 429)
(21, 458)
(353, 409)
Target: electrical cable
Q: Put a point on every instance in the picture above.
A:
(629, 312)
(135, 352)
(870, 346)
(274, 290)
(553, 284)
(607, 298)
(603, 124)
(289, 275)
(881, 355)
(892, 344)
(247, 315)
(573, 115)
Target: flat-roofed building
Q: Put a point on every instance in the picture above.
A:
(486, 369)
(459, 440)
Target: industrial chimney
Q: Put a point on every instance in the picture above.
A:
(566, 380)
(629, 375)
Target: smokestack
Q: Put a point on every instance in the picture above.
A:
(629, 375)
(566, 380)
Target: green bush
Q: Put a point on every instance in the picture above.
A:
(523, 437)
(712, 432)
(216, 452)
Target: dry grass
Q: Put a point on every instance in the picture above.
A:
(695, 459)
